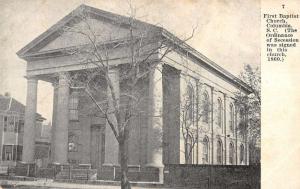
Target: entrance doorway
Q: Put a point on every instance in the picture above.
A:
(97, 145)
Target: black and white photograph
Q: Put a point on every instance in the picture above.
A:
(134, 94)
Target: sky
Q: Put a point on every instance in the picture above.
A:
(227, 32)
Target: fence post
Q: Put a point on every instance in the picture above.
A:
(211, 180)
(35, 170)
(28, 169)
(54, 172)
(114, 172)
(87, 174)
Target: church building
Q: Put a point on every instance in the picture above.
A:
(189, 114)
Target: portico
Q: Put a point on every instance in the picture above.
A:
(60, 119)
(93, 139)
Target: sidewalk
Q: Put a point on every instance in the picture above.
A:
(49, 184)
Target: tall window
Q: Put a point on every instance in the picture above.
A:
(10, 123)
(219, 113)
(231, 117)
(7, 153)
(190, 107)
(5, 123)
(231, 153)
(21, 126)
(242, 152)
(12, 152)
(219, 152)
(16, 124)
(205, 150)
(205, 104)
(73, 106)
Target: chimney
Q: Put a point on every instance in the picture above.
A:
(7, 94)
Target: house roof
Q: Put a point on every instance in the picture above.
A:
(203, 60)
(9, 104)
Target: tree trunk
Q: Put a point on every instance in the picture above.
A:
(125, 184)
(186, 154)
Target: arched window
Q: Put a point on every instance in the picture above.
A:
(242, 153)
(231, 117)
(190, 104)
(242, 124)
(219, 152)
(205, 150)
(219, 112)
(231, 153)
(205, 108)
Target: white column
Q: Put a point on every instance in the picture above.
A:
(111, 143)
(225, 130)
(246, 141)
(54, 114)
(62, 121)
(212, 125)
(183, 96)
(30, 121)
(236, 136)
(155, 121)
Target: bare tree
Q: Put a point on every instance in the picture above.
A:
(145, 49)
(250, 108)
(193, 110)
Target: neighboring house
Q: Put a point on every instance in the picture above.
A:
(80, 136)
(12, 129)
(42, 145)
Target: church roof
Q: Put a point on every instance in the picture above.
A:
(53, 31)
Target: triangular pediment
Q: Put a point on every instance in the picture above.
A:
(70, 31)
(73, 36)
